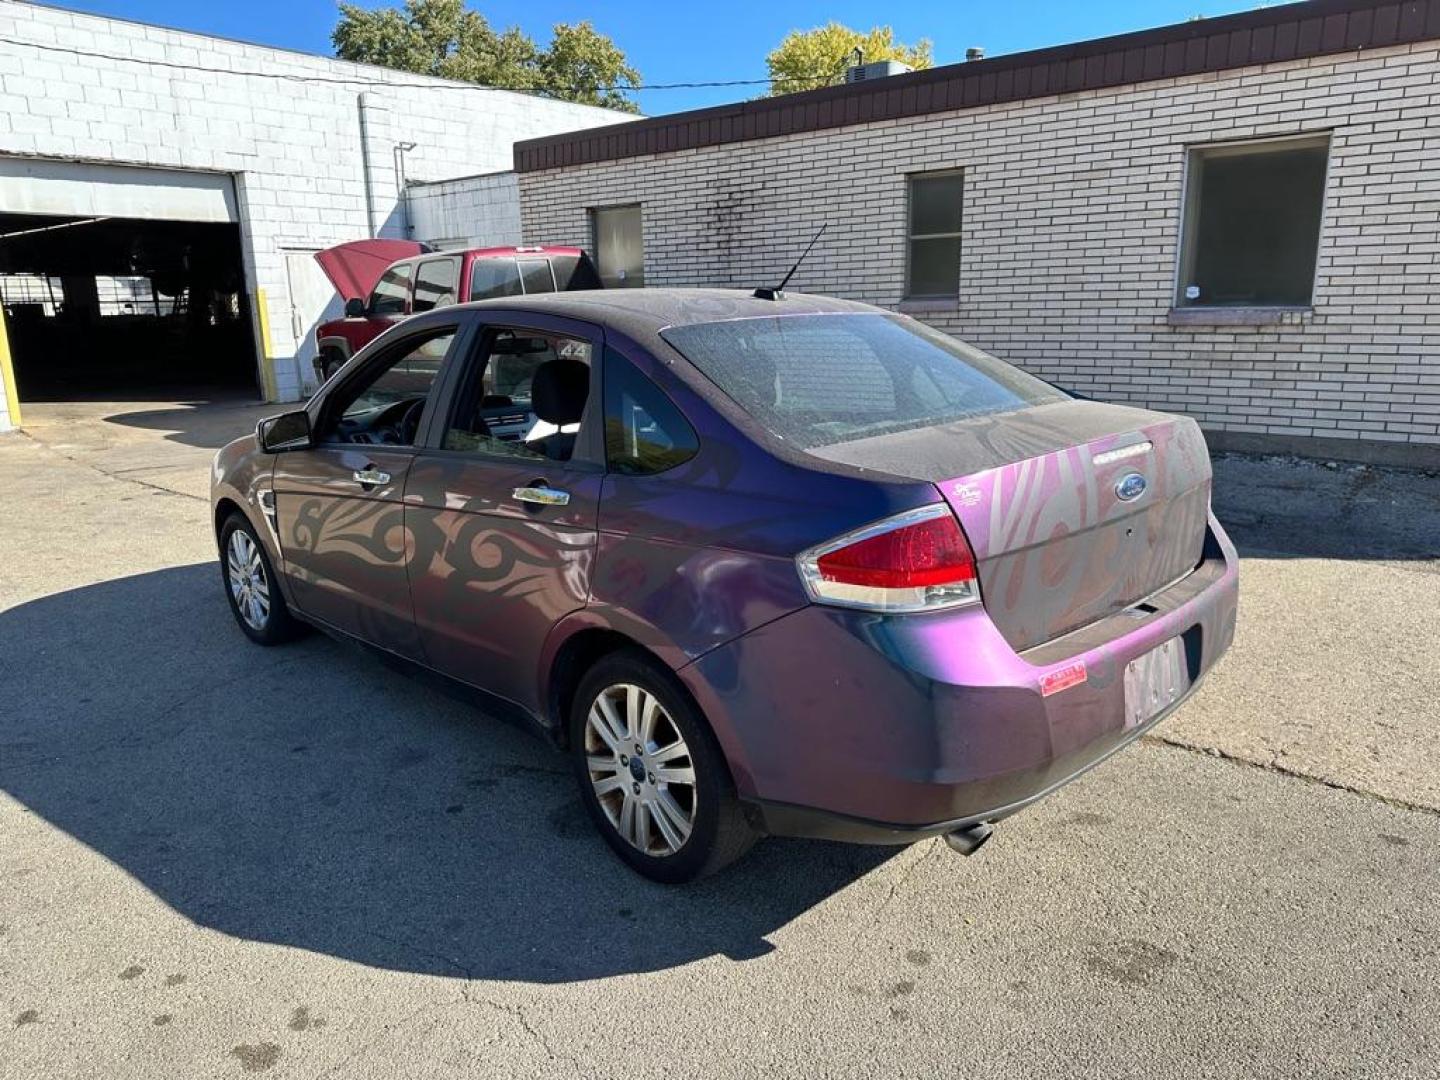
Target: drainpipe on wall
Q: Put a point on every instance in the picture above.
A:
(361, 103)
(402, 185)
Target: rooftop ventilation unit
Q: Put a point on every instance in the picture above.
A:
(881, 69)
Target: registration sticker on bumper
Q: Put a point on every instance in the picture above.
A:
(1062, 678)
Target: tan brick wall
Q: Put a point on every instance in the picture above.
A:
(1071, 226)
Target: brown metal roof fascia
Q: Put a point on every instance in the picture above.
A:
(1270, 35)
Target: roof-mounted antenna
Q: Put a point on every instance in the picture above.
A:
(778, 292)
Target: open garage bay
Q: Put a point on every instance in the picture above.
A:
(125, 308)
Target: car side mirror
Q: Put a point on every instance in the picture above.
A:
(354, 307)
(288, 431)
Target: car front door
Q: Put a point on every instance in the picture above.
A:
(338, 504)
(502, 503)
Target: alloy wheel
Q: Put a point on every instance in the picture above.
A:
(641, 769)
(248, 586)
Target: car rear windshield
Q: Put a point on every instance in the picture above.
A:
(821, 379)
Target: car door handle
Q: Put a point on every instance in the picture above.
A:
(369, 476)
(541, 496)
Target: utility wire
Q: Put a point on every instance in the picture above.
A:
(381, 84)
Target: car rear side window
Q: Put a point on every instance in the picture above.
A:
(494, 277)
(821, 379)
(644, 432)
(536, 275)
(523, 396)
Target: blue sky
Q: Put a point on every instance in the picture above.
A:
(688, 42)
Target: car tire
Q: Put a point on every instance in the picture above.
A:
(704, 813)
(251, 586)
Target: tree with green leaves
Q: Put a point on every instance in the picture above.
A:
(810, 58)
(446, 39)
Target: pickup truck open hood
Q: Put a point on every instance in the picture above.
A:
(354, 268)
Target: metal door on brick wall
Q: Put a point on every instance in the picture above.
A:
(310, 295)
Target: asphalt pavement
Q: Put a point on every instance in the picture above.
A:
(219, 861)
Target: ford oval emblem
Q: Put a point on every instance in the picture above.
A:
(1131, 487)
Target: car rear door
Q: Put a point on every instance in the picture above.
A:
(502, 502)
(339, 509)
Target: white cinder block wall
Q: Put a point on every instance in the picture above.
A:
(293, 147)
(472, 211)
(1071, 226)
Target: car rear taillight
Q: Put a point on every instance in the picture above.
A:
(915, 561)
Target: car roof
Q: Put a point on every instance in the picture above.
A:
(643, 313)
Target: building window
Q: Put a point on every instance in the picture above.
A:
(1252, 224)
(26, 294)
(619, 246)
(126, 296)
(933, 256)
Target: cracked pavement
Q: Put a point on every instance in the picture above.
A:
(220, 861)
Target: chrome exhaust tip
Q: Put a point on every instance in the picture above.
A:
(968, 840)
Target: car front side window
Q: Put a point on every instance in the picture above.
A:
(383, 406)
(392, 291)
(435, 283)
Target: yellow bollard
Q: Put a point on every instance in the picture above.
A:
(267, 351)
(7, 374)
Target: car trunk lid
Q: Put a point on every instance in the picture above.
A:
(1062, 533)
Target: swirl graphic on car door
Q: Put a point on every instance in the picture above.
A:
(492, 575)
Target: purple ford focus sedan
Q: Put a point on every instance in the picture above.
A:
(790, 566)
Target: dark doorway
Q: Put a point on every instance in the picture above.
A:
(125, 309)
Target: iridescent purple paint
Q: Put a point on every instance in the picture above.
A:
(835, 722)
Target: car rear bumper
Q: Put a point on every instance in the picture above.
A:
(852, 726)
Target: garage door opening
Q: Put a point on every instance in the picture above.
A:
(106, 308)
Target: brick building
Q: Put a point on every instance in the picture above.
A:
(205, 173)
(1236, 218)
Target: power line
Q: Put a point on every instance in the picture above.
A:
(398, 83)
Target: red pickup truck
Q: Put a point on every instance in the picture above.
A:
(383, 281)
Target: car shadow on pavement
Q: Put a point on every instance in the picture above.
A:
(306, 796)
(208, 424)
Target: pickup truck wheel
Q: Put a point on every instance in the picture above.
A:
(651, 773)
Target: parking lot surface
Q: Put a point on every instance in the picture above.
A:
(218, 860)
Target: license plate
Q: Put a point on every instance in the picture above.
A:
(1155, 681)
